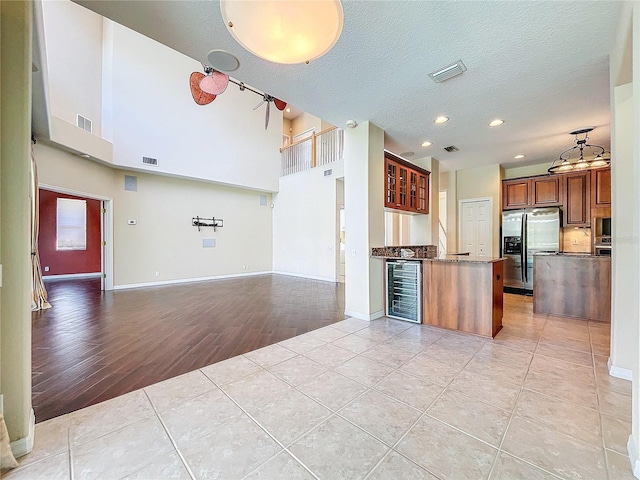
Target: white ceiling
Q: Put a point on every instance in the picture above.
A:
(541, 66)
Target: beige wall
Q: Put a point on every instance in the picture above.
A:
(163, 239)
(515, 172)
(304, 122)
(15, 223)
(481, 182)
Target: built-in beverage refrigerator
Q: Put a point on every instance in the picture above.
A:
(404, 290)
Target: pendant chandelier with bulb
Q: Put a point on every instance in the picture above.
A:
(565, 163)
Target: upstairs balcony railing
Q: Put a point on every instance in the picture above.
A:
(314, 151)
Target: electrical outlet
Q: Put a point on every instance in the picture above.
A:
(575, 241)
(46, 269)
(157, 274)
(353, 252)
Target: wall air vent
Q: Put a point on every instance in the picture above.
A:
(451, 148)
(84, 123)
(150, 161)
(450, 71)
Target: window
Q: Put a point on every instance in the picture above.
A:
(71, 224)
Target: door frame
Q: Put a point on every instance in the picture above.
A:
(106, 226)
(470, 200)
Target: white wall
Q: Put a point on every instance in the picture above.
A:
(364, 219)
(164, 240)
(305, 121)
(75, 74)
(148, 109)
(305, 237)
(154, 115)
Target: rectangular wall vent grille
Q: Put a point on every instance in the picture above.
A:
(450, 71)
(150, 161)
(451, 148)
(84, 123)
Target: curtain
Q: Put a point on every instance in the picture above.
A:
(39, 292)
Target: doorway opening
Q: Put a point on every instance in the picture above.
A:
(75, 239)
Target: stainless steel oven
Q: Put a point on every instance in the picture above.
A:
(602, 236)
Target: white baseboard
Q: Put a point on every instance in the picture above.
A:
(187, 280)
(633, 457)
(310, 277)
(619, 372)
(72, 275)
(24, 445)
(364, 316)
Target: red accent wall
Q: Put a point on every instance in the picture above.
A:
(70, 261)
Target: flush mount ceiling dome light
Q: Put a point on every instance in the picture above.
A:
(284, 31)
(565, 162)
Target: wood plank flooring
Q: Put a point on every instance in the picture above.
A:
(93, 345)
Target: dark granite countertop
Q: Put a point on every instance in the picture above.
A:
(570, 254)
(447, 258)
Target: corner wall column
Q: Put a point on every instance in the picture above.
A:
(15, 213)
(364, 220)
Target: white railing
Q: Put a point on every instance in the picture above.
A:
(329, 146)
(318, 149)
(442, 239)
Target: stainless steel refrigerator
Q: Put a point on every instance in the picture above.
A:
(525, 233)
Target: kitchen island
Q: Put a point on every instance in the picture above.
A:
(572, 285)
(459, 292)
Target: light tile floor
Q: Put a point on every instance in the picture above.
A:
(376, 400)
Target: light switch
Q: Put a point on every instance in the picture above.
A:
(208, 242)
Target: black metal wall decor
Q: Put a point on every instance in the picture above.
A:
(207, 222)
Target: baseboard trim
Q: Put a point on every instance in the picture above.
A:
(619, 372)
(364, 316)
(24, 445)
(187, 280)
(633, 457)
(310, 277)
(72, 275)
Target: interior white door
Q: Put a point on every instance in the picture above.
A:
(475, 227)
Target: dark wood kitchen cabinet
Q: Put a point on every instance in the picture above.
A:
(542, 191)
(515, 193)
(546, 191)
(577, 199)
(406, 186)
(601, 187)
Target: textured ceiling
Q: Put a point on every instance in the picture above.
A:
(541, 66)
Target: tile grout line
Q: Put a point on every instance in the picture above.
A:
(171, 439)
(264, 429)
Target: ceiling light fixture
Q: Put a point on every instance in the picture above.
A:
(496, 123)
(351, 124)
(564, 162)
(519, 156)
(288, 110)
(427, 144)
(441, 119)
(284, 31)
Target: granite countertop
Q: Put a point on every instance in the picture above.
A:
(447, 258)
(570, 254)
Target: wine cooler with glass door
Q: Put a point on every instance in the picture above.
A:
(404, 290)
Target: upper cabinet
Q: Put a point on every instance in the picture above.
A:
(577, 202)
(581, 194)
(406, 186)
(543, 191)
(601, 187)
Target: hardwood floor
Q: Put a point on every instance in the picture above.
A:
(94, 345)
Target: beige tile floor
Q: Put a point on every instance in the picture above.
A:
(376, 400)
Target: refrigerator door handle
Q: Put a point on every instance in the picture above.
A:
(523, 247)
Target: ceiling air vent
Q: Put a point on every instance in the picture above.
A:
(451, 148)
(450, 71)
(150, 161)
(84, 123)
